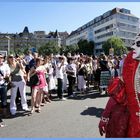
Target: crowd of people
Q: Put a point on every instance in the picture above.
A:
(52, 74)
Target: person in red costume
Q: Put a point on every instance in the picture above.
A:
(121, 117)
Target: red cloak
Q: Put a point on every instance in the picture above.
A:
(129, 71)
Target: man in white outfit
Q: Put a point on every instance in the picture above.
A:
(60, 76)
(4, 72)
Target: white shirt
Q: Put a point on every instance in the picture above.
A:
(59, 71)
(5, 69)
(28, 58)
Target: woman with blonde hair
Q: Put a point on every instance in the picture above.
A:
(17, 78)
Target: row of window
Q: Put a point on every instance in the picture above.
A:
(104, 29)
(99, 43)
(119, 24)
(128, 18)
(126, 11)
(94, 23)
(127, 27)
(128, 42)
(107, 17)
(111, 17)
(127, 34)
(104, 20)
(104, 35)
(75, 40)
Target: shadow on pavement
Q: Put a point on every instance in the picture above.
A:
(88, 95)
(93, 111)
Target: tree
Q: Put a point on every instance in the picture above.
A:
(25, 50)
(70, 49)
(117, 44)
(48, 48)
(86, 47)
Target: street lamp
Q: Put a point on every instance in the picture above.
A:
(8, 43)
(14, 36)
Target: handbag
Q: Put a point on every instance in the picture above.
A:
(34, 80)
(10, 85)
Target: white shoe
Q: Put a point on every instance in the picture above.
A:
(63, 99)
(26, 109)
(13, 114)
(2, 125)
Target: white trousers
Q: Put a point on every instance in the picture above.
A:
(22, 88)
(65, 81)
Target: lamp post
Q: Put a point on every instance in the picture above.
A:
(8, 44)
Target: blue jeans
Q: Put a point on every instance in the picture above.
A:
(3, 95)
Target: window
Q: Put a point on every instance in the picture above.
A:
(126, 11)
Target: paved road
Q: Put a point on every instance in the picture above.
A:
(73, 118)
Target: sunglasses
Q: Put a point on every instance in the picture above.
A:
(11, 57)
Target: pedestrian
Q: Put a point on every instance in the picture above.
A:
(82, 74)
(71, 71)
(4, 74)
(60, 77)
(17, 73)
(105, 75)
(37, 90)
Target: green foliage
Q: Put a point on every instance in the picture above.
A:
(25, 50)
(83, 46)
(20, 50)
(86, 47)
(69, 49)
(49, 48)
(116, 43)
(12, 51)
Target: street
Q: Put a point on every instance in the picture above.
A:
(73, 118)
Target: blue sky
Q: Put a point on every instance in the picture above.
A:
(49, 16)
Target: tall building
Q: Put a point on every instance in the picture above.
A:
(117, 22)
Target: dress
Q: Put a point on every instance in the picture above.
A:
(105, 74)
(52, 84)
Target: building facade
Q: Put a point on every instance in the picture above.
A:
(31, 40)
(116, 22)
